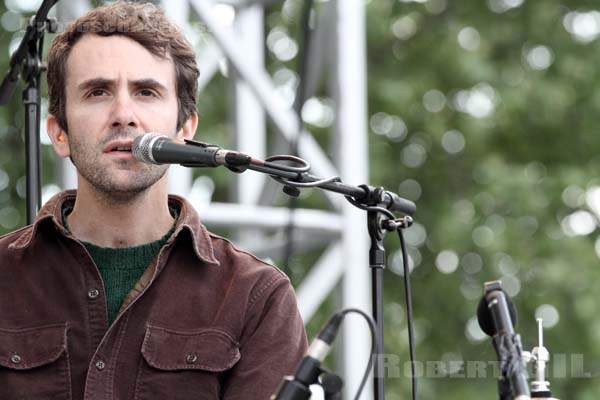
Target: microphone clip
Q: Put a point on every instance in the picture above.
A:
(201, 144)
(232, 160)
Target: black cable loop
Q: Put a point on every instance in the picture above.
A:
(374, 346)
(305, 184)
(305, 166)
(382, 210)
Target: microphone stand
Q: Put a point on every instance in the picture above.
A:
(377, 265)
(26, 63)
(379, 204)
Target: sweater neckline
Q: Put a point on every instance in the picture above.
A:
(67, 209)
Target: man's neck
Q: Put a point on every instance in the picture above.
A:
(141, 219)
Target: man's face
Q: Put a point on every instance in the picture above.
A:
(115, 91)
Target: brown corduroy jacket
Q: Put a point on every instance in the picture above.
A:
(205, 321)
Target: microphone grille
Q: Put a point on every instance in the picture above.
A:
(142, 145)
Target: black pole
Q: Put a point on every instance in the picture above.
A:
(26, 62)
(377, 265)
(32, 146)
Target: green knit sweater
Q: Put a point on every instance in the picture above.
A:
(121, 267)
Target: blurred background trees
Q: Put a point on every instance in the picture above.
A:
(483, 113)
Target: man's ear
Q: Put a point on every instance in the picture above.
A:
(58, 137)
(188, 130)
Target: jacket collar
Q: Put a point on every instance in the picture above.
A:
(188, 221)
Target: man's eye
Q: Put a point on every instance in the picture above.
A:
(97, 93)
(147, 92)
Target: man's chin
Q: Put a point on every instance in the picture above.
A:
(122, 183)
(122, 189)
(121, 194)
(130, 184)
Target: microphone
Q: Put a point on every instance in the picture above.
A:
(484, 315)
(496, 316)
(297, 387)
(155, 148)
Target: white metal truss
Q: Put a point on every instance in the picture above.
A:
(340, 45)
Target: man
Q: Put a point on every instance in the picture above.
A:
(117, 291)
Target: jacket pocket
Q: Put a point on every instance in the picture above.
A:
(34, 363)
(184, 364)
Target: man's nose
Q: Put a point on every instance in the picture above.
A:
(123, 113)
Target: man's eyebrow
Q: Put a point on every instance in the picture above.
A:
(95, 82)
(149, 83)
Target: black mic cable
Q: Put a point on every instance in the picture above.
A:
(409, 315)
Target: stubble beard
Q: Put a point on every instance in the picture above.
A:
(100, 173)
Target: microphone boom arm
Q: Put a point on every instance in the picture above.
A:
(364, 194)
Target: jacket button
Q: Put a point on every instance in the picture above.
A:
(93, 293)
(191, 358)
(15, 359)
(100, 365)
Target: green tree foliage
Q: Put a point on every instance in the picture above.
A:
(484, 113)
